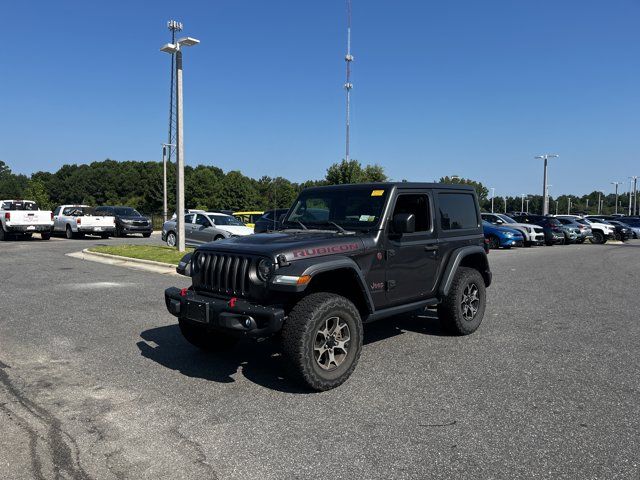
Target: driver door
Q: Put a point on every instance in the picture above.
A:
(412, 258)
(201, 231)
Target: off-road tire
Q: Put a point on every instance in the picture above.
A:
(45, 235)
(300, 333)
(598, 237)
(494, 242)
(204, 339)
(450, 310)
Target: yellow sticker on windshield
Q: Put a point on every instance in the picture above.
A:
(377, 193)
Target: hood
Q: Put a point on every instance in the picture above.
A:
(293, 245)
(135, 218)
(236, 229)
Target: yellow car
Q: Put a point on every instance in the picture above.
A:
(248, 218)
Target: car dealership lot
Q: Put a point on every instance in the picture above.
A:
(96, 381)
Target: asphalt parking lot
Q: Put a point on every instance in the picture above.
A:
(96, 381)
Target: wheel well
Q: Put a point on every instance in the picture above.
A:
(344, 282)
(478, 262)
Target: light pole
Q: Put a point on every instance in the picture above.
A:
(587, 208)
(493, 194)
(175, 49)
(164, 179)
(522, 203)
(635, 193)
(549, 200)
(528, 206)
(505, 205)
(568, 205)
(545, 200)
(616, 185)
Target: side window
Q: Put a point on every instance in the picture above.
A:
(68, 210)
(188, 218)
(457, 211)
(418, 205)
(267, 216)
(56, 212)
(201, 220)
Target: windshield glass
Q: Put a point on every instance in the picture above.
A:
(226, 220)
(126, 212)
(358, 208)
(505, 218)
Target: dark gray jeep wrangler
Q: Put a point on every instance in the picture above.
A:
(345, 255)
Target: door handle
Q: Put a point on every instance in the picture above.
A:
(430, 248)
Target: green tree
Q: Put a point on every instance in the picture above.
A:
(481, 190)
(352, 172)
(37, 192)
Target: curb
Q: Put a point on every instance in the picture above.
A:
(120, 261)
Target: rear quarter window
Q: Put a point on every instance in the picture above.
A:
(457, 211)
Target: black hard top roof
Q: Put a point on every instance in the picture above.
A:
(387, 185)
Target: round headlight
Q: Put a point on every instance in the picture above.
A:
(265, 269)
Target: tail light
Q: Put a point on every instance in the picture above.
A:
(78, 221)
(7, 216)
(52, 216)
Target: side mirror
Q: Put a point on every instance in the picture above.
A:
(499, 222)
(404, 223)
(184, 266)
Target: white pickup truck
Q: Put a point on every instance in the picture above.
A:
(23, 218)
(77, 220)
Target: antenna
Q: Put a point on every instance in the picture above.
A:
(173, 27)
(348, 85)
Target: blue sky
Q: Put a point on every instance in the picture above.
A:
(468, 88)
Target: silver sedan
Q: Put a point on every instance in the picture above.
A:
(203, 228)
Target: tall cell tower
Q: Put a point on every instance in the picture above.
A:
(173, 27)
(348, 85)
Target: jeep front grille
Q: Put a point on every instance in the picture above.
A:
(226, 274)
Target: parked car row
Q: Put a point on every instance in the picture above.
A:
(522, 229)
(24, 217)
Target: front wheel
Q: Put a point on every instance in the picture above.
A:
(146, 235)
(494, 242)
(206, 340)
(462, 310)
(322, 339)
(3, 234)
(171, 239)
(598, 238)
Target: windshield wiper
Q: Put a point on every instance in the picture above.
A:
(339, 227)
(298, 222)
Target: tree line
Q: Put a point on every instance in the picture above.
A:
(139, 184)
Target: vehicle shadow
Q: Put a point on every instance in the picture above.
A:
(259, 362)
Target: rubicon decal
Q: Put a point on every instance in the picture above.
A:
(314, 252)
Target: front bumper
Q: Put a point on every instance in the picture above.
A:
(511, 242)
(124, 228)
(27, 228)
(239, 317)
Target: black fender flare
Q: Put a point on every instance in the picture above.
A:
(342, 263)
(454, 262)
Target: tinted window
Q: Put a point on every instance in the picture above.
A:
(188, 218)
(418, 205)
(57, 211)
(457, 211)
(78, 211)
(201, 220)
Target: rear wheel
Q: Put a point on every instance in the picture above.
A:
(322, 339)
(494, 242)
(462, 310)
(3, 234)
(45, 235)
(69, 232)
(204, 339)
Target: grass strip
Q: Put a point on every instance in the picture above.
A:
(144, 252)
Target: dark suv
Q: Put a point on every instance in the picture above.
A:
(128, 220)
(346, 255)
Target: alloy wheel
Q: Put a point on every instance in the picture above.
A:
(171, 240)
(470, 302)
(331, 345)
